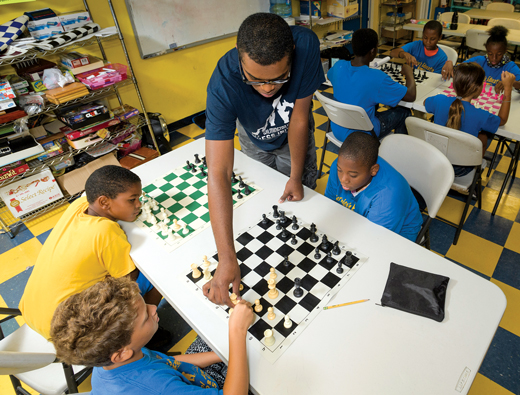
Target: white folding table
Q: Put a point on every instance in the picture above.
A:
(358, 349)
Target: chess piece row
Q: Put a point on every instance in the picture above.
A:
(241, 184)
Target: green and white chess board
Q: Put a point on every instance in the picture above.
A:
(183, 194)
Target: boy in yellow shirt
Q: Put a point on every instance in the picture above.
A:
(85, 246)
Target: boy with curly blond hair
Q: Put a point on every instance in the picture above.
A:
(106, 327)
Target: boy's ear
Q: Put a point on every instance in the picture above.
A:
(374, 169)
(122, 355)
(103, 202)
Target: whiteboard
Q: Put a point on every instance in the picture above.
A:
(163, 26)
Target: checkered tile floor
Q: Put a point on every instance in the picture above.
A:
(488, 246)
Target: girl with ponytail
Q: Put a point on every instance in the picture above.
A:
(458, 112)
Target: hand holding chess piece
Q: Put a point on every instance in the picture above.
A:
(241, 319)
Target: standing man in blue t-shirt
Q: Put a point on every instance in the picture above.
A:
(263, 88)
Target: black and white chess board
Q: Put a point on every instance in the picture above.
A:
(296, 252)
(394, 71)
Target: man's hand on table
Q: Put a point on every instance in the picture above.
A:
(217, 289)
(293, 191)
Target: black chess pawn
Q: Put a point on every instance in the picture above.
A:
(264, 219)
(298, 292)
(295, 223)
(204, 162)
(349, 261)
(285, 234)
(285, 261)
(241, 184)
(330, 259)
(314, 237)
(336, 250)
(293, 240)
(317, 254)
(239, 195)
(276, 214)
(197, 160)
(339, 269)
(325, 243)
(193, 168)
(234, 178)
(188, 165)
(278, 226)
(283, 218)
(204, 174)
(247, 191)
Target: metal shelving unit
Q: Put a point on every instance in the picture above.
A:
(143, 120)
(393, 6)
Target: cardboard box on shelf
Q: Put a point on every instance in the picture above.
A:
(74, 20)
(343, 8)
(31, 193)
(45, 28)
(398, 33)
(74, 182)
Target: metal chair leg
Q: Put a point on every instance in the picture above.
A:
(323, 149)
(466, 206)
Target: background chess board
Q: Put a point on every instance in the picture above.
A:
(394, 71)
(488, 103)
(184, 196)
(261, 247)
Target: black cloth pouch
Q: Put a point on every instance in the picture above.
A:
(416, 292)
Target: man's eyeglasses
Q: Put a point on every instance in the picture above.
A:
(260, 83)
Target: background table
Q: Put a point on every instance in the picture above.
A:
(360, 349)
(476, 13)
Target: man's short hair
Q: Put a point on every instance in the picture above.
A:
(363, 41)
(360, 146)
(89, 327)
(266, 38)
(109, 181)
(434, 25)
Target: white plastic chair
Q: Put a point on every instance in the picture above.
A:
(461, 149)
(345, 115)
(476, 39)
(446, 17)
(29, 358)
(425, 168)
(450, 53)
(500, 7)
(506, 22)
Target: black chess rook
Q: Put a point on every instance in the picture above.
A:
(349, 260)
(197, 160)
(276, 214)
(298, 292)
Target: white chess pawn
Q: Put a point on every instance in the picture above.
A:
(171, 235)
(144, 198)
(273, 274)
(268, 337)
(270, 313)
(196, 271)
(154, 205)
(207, 274)
(164, 228)
(241, 287)
(175, 225)
(258, 306)
(233, 298)
(273, 292)
(162, 214)
(185, 230)
(153, 221)
(287, 323)
(205, 262)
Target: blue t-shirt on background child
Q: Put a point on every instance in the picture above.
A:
(387, 201)
(155, 373)
(371, 86)
(494, 74)
(266, 120)
(429, 63)
(473, 119)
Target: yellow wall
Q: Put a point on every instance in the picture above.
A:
(173, 84)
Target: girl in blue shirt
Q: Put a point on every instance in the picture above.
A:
(495, 61)
(458, 112)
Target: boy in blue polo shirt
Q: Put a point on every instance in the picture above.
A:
(372, 87)
(424, 54)
(368, 185)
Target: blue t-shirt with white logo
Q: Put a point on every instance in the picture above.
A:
(266, 120)
(494, 75)
(429, 63)
(364, 87)
(473, 120)
(155, 373)
(387, 201)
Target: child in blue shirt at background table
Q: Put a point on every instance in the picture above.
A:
(365, 183)
(424, 54)
(106, 327)
(495, 61)
(458, 112)
(371, 87)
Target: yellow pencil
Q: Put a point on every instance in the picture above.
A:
(345, 304)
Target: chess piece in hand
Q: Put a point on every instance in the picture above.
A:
(410, 59)
(447, 70)
(217, 289)
(508, 79)
(242, 318)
